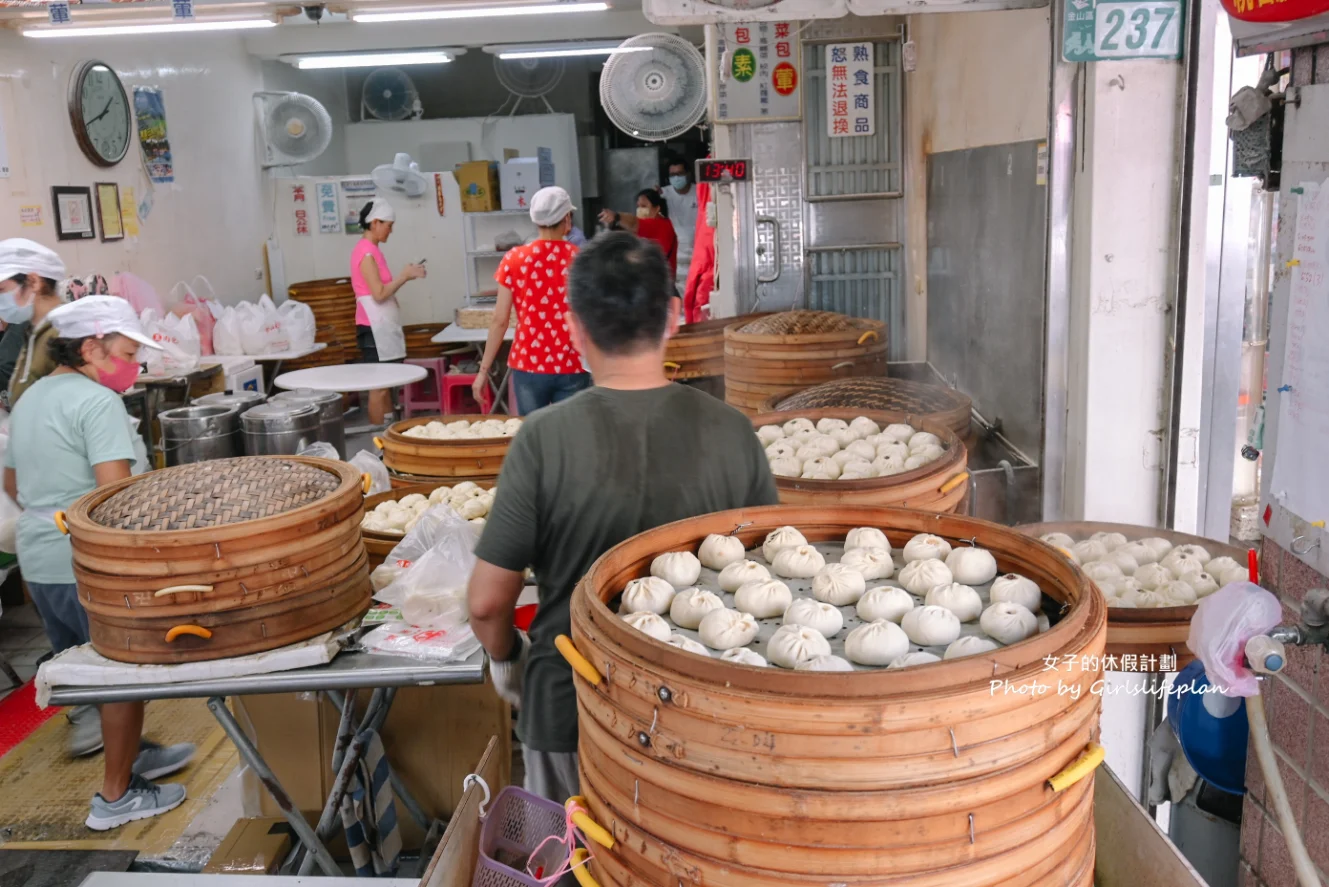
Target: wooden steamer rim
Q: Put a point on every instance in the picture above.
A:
(423, 460)
(951, 465)
(932, 401)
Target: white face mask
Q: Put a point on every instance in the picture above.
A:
(643, 212)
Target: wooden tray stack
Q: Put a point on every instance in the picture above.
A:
(418, 460)
(218, 559)
(333, 303)
(1150, 633)
(696, 351)
(715, 773)
(934, 403)
(783, 353)
(419, 337)
(939, 486)
(333, 355)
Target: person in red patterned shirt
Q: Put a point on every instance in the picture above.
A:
(546, 367)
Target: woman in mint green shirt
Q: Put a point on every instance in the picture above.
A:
(68, 436)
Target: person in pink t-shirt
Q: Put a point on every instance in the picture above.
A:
(378, 329)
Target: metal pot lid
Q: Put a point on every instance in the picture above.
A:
(267, 415)
(308, 395)
(204, 413)
(238, 399)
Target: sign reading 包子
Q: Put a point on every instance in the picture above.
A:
(760, 79)
(1109, 30)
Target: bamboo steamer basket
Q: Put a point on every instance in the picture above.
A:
(333, 303)
(696, 351)
(939, 486)
(796, 349)
(419, 340)
(1150, 633)
(708, 772)
(257, 552)
(333, 355)
(421, 460)
(938, 403)
(379, 545)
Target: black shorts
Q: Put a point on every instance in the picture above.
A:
(364, 339)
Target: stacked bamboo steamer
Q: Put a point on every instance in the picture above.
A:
(219, 559)
(419, 339)
(938, 486)
(333, 355)
(1146, 634)
(709, 772)
(935, 403)
(786, 352)
(422, 460)
(333, 303)
(696, 351)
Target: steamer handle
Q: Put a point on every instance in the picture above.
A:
(576, 807)
(579, 663)
(366, 482)
(842, 365)
(197, 631)
(60, 523)
(954, 482)
(670, 365)
(378, 442)
(869, 334)
(1081, 767)
(182, 589)
(580, 869)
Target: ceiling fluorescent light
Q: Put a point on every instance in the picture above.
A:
(477, 12)
(373, 59)
(570, 51)
(161, 28)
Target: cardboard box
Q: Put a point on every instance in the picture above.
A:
(252, 847)
(479, 185)
(248, 379)
(433, 737)
(521, 177)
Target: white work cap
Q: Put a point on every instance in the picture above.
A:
(381, 211)
(550, 206)
(20, 256)
(98, 316)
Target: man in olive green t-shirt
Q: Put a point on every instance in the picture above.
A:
(630, 454)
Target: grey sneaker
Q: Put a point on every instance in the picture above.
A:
(155, 761)
(141, 800)
(85, 731)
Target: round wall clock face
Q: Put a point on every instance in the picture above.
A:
(100, 112)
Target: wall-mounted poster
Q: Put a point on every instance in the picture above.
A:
(108, 210)
(150, 112)
(329, 209)
(129, 210)
(763, 72)
(73, 213)
(355, 194)
(30, 215)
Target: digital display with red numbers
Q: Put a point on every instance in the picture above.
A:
(722, 171)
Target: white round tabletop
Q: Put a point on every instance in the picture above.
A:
(352, 377)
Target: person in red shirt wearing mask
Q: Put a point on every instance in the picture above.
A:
(651, 222)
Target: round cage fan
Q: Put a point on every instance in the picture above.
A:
(295, 128)
(656, 90)
(402, 175)
(389, 94)
(529, 78)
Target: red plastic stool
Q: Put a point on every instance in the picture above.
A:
(425, 396)
(457, 397)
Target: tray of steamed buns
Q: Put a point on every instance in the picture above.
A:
(1152, 580)
(835, 606)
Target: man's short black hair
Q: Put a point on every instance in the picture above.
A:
(677, 161)
(619, 288)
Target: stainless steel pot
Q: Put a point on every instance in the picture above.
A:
(279, 429)
(241, 402)
(199, 433)
(332, 425)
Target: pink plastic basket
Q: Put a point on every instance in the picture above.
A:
(516, 825)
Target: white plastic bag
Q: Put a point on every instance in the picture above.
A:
(436, 557)
(1223, 623)
(298, 324)
(431, 644)
(178, 338)
(373, 466)
(226, 338)
(274, 329)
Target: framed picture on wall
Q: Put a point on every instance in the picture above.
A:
(108, 210)
(73, 213)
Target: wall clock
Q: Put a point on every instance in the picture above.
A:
(100, 112)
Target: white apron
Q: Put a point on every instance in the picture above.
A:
(385, 323)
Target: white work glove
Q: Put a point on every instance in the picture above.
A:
(508, 676)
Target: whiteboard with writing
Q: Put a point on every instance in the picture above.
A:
(1301, 473)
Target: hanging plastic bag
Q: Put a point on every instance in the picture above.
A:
(187, 300)
(136, 291)
(1223, 623)
(373, 466)
(298, 324)
(226, 337)
(179, 341)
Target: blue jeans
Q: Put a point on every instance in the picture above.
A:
(63, 616)
(536, 390)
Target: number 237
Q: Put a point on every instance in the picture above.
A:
(1140, 21)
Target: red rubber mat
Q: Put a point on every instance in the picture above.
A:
(20, 716)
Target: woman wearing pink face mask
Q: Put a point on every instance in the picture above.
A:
(69, 435)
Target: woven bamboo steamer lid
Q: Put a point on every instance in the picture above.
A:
(792, 350)
(935, 402)
(777, 761)
(696, 351)
(1155, 632)
(452, 460)
(261, 551)
(938, 486)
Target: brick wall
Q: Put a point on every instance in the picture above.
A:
(1298, 705)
